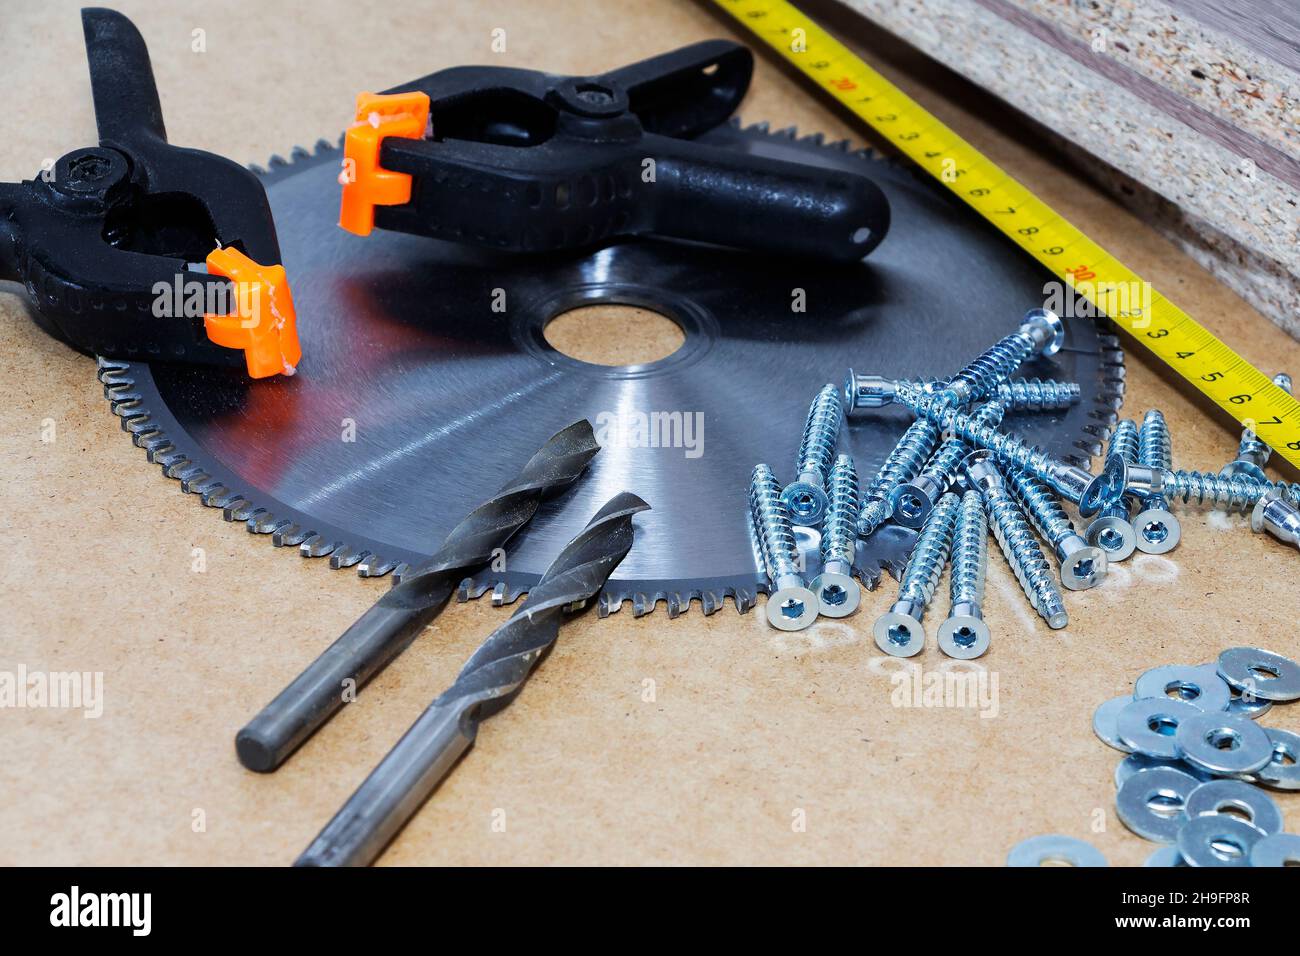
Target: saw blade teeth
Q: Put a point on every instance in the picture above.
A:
(236, 509)
(346, 556)
(217, 496)
(375, 566)
(642, 605)
(745, 600)
(608, 604)
(790, 132)
(316, 546)
(710, 601)
(264, 522)
(499, 594)
(677, 605)
(290, 536)
(194, 479)
(470, 589)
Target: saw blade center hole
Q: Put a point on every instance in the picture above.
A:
(614, 335)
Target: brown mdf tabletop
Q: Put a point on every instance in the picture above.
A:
(754, 747)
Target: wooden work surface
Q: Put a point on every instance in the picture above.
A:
(749, 731)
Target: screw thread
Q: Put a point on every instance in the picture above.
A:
(821, 433)
(772, 524)
(1037, 394)
(1155, 447)
(970, 548)
(943, 464)
(903, 462)
(1026, 558)
(1236, 493)
(839, 536)
(1124, 443)
(994, 365)
(930, 554)
(1010, 450)
(1042, 506)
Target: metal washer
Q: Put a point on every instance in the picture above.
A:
(1277, 849)
(1103, 722)
(1197, 840)
(1201, 687)
(1216, 795)
(1166, 856)
(1239, 667)
(1196, 739)
(1133, 802)
(1054, 847)
(1276, 774)
(1140, 763)
(1134, 724)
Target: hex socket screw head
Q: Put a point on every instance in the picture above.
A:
(899, 631)
(1045, 325)
(838, 594)
(791, 606)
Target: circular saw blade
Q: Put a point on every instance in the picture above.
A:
(418, 393)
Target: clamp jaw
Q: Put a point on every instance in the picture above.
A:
(525, 161)
(141, 250)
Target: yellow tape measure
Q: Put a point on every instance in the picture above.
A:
(1166, 330)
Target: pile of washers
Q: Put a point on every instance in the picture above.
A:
(955, 476)
(1196, 762)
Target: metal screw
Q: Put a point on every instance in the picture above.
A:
(806, 496)
(1018, 544)
(1278, 517)
(1231, 494)
(1253, 454)
(790, 605)
(1016, 395)
(837, 593)
(1158, 531)
(1040, 333)
(1082, 565)
(912, 500)
(904, 461)
(899, 631)
(1111, 530)
(1090, 492)
(964, 635)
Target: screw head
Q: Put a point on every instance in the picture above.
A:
(1083, 569)
(1113, 535)
(1158, 531)
(1052, 322)
(838, 595)
(791, 609)
(899, 635)
(964, 637)
(805, 501)
(1243, 469)
(1107, 488)
(912, 504)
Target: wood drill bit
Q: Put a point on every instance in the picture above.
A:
(411, 771)
(394, 621)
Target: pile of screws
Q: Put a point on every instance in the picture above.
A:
(954, 475)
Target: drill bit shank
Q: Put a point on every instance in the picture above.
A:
(414, 767)
(388, 627)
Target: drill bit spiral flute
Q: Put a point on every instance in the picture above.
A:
(411, 771)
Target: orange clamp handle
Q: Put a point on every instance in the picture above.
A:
(366, 184)
(263, 322)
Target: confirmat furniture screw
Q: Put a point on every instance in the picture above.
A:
(913, 499)
(837, 592)
(1082, 565)
(964, 635)
(1230, 494)
(1253, 454)
(1017, 395)
(904, 460)
(1277, 516)
(899, 631)
(1111, 529)
(1090, 492)
(1016, 539)
(1158, 531)
(1041, 333)
(805, 497)
(791, 606)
